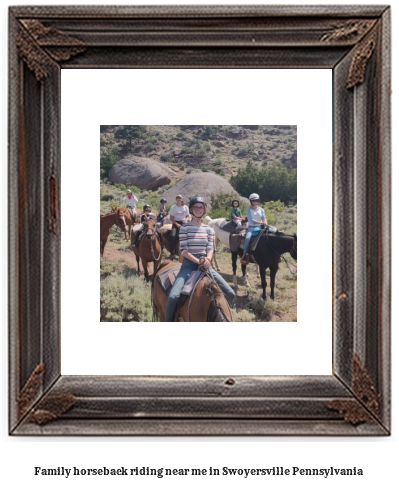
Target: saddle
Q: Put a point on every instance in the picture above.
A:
(236, 241)
(138, 235)
(228, 226)
(132, 213)
(167, 278)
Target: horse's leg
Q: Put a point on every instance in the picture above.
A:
(103, 242)
(245, 275)
(273, 272)
(234, 266)
(145, 267)
(262, 271)
(138, 264)
(257, 271)
(217, 242)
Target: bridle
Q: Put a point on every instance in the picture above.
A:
(291, 251)
(154, 234)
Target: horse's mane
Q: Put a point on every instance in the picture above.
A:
(215, 309)
(109, 213)
(161, 265)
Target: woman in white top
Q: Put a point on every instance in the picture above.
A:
(256, 216)
(179, 214)
(131, 202)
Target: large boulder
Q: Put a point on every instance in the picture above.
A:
(199, 184)
(142, 172)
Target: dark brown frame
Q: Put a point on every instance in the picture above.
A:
(353, 41)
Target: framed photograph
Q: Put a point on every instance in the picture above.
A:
(353, 45)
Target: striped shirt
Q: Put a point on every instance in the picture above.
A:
(196, 239)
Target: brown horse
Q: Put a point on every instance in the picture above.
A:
(106, 222)
(149, 246)
(165, 232)
(130, 219)
(206, 304)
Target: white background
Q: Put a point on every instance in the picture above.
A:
(187, 97)
(377, 456)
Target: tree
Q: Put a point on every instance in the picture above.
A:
(109, 157)
(272, 184)
(208, 132)
(129, 132)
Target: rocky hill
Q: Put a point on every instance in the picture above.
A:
(163, 157)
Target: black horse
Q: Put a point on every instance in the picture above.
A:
(267, 255)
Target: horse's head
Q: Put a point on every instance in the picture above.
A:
(120, 220)
(150, 226)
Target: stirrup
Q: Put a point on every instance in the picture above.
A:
(245, 259)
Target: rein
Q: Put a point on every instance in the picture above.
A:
(152, 244)
(293, 248)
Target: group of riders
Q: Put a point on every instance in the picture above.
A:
(197, 239)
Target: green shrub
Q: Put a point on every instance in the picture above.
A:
(166, 157)
(272, 183)
(125, 298)
(108, 158)
(208, 131)
(107, 198)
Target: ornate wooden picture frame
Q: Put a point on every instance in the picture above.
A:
(352, 41)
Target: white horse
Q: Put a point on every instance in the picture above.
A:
(223, 237)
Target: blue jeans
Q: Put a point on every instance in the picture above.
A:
(186, 268)
(248, 238)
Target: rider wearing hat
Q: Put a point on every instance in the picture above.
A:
(179, 214)
(131, 202)
(256, 216)
(146, 213)
(196, 247)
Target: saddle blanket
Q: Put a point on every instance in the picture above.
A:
(166, 278)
